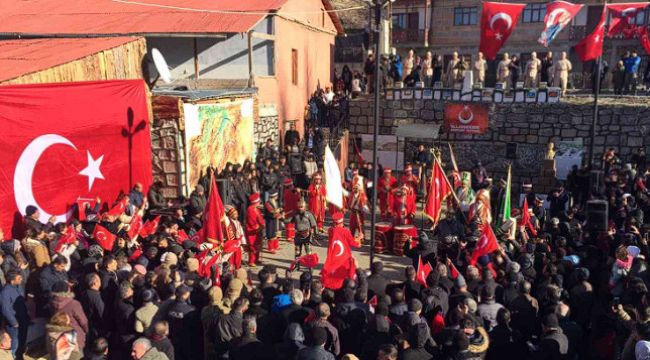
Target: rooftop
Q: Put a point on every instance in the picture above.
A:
(22, 57)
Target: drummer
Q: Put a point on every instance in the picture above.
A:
(386, 185)
(402, 205)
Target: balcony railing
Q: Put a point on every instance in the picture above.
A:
(408, 36)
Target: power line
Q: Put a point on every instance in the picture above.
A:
(231, 12)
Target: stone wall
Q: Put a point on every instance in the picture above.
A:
(623, 124)
(268, 126)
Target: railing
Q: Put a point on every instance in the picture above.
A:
(404, 36)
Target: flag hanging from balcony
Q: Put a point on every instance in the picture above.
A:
(558, 15)
(591, 47)
(623, 18)
(498, 20)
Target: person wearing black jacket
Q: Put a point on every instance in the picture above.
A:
(426, 249)
(123, 317)
(248, 346)
(93, 305)
(377, 282)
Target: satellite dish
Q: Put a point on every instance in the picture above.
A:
(161, 66)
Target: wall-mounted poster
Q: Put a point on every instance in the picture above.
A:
(466, 118)
(389, 152)
(216, 134)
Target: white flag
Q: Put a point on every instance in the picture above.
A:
(333, 183)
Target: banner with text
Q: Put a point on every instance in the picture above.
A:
(466, 118)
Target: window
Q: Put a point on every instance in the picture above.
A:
(294, 66)
(534, 13)
(406, 21)
(465, 16)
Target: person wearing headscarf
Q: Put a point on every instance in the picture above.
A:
(210, 316)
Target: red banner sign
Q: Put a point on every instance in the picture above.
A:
(466, 118)
(62, 142)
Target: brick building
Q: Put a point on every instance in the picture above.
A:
(446, 26)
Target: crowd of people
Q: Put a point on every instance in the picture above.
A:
(554, 288)
(430, 70)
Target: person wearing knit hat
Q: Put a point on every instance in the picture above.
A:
(234, 291)
(32, 220)
(170, 259)
(273, 213)
(402, 205)
(254, 229)
(192, 264)
(317, 202)
(409, 179)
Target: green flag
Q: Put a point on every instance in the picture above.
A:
(504, 212)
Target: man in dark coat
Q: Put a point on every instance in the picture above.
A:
(14, 312)
(197, 202)
(377, 282)
(93, 305)
(124, 321)
(182, 320)
(52, 274)
(418, 336)
(160, 341)
(291, 136)
(554, 344)
(317, 351)
(32, 215)
(229, 326)
(136, 196)
(248, 347)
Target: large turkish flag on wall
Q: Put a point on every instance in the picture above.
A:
(61, 142)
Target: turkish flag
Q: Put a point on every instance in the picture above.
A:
(205, 263)
(558, 15)
(309, 261)
(487, 243)
(423, 272)
(119, 208)
(182, 236)
(230, 246)
(136, 254)
(339, 264)
(498, 20)
(645, 42)
(83, 205)
(150, 227)
(214, 212)
(104, 238)
(66, 141)
(135, 227)
(525, 218)
(591, 47)
(68, 237)
(623, 18)
(438, 191)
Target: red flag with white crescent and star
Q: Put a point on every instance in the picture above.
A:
(83, 205)
(439, 189)
(135, 226)
(68, 237)
(66, 141)
(498, 20)
(591, 47)
(487, 243)
(150, 227)
(525, 218)
(339, 264)
(624, 18)
(558, 15)
(423, 272)
(104, 238)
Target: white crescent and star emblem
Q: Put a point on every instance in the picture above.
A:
(465, 120)
(340, 245)
(501, 16)
(100, 235)
(24, 172)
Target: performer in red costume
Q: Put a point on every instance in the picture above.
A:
(235, 234)
(291, 197)
(409, 179)
(317, 202)
(254, 228)
(385, 186)
(402, 205)
(340, 263)
(357, 203)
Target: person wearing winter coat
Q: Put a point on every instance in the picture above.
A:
(93, 305)
(63, 301)
(61, 338)
(14, 312)
(143, 350)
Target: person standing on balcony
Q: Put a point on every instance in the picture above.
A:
(452, 71)
(480, 67)
(631, 73)
(427, 69)
(369, 70)
(562, 69)
(547, 64)
(409, 64)
(437, 69)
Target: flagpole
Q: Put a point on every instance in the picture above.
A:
(453, 192)
(597, 88)
(373, 215)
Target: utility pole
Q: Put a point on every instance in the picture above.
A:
(375, 177)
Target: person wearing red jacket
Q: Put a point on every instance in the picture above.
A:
(254, 228)
(409, 179)
(317, 202)
(234, 234)
(402, 205)
(291, 197)
(357, 203)
(385, 186)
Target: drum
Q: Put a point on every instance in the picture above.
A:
(402, 234)
(383, 236)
